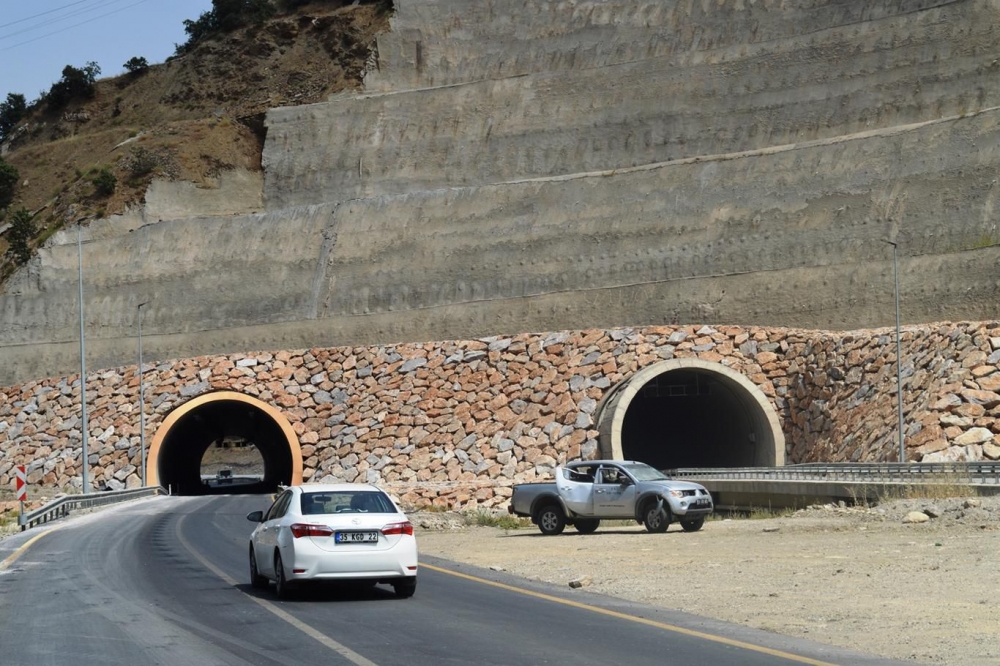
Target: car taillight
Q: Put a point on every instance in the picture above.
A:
(300, 530)
(398, 528)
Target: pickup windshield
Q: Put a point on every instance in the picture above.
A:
(643, 472)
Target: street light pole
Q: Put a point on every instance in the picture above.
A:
(899, 356)
(142, 406)
(83, 364)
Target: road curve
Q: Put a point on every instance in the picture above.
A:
(164, 581)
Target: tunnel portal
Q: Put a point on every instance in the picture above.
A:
(190, 429)
(690, 413)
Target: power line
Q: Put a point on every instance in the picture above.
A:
(76, 25)
(100, 4)
(57, 9)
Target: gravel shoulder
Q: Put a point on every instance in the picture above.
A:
(856, 578)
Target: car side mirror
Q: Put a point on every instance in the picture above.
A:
(256, 516)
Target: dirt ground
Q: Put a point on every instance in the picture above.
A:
(856, 578)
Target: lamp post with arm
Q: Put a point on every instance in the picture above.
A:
(899, 356)
(83, 367)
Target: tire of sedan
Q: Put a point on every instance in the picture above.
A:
(551, 520)
(256, 580)
(655, 518)
(586, 526)
(282, 587)
(405, 589)
(692, 525)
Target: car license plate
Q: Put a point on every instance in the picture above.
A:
(357, 537)
(702, 502)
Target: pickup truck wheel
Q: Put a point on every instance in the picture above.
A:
(586, 526)
(551, 520)
(692, 525)
(655, 517)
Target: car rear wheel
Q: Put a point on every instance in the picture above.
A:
(282, 586)
(586, 526)
(656, 517)
(692, 525)
(256, 580)
(405, 588)
(551, 520)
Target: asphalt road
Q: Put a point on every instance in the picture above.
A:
(165, 581)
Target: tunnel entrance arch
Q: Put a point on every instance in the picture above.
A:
(690, 413)
(187, 432)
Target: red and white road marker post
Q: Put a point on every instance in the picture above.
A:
(21, 486)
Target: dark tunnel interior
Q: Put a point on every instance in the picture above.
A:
(695, 418)
(181, 451)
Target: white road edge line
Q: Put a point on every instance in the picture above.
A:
(339, 648)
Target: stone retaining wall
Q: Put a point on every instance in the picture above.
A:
(458, 423)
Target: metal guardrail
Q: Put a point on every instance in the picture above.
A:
(986, 473)
(61, 507)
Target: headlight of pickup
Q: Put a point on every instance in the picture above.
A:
(675, 493)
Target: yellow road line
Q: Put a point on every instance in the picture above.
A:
(339, 648)
(20, 551)
(633, 618)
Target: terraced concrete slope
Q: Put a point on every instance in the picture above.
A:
(644, 102)
(544, 165)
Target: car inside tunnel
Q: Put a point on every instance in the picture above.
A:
(183, 445)
(693, 417)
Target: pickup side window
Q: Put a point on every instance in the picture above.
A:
(611, 475)
(579, 475)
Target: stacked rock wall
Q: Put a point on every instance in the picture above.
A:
(457, 423)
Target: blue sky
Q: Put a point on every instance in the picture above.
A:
(39, 38)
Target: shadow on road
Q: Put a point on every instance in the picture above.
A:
(325, 592)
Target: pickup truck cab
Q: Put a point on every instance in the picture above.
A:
(587, 492)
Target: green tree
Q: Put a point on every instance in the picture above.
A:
(8, 182)
(136, 65)
(76, 83)
(232, 14)
(22, 230)
(11, 112)
(105, 182)
(225, 16)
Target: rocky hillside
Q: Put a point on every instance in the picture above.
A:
(190, 118)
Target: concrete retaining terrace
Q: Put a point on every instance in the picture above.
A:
(794, 233)
(817, 84)
(445, 42)
(456, 423)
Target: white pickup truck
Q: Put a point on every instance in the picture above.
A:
(587, 492)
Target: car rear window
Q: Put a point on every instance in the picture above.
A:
(346, 501)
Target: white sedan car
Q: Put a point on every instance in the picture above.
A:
(348, 531)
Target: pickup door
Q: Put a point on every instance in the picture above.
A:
(578, 493)
(614, 494)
